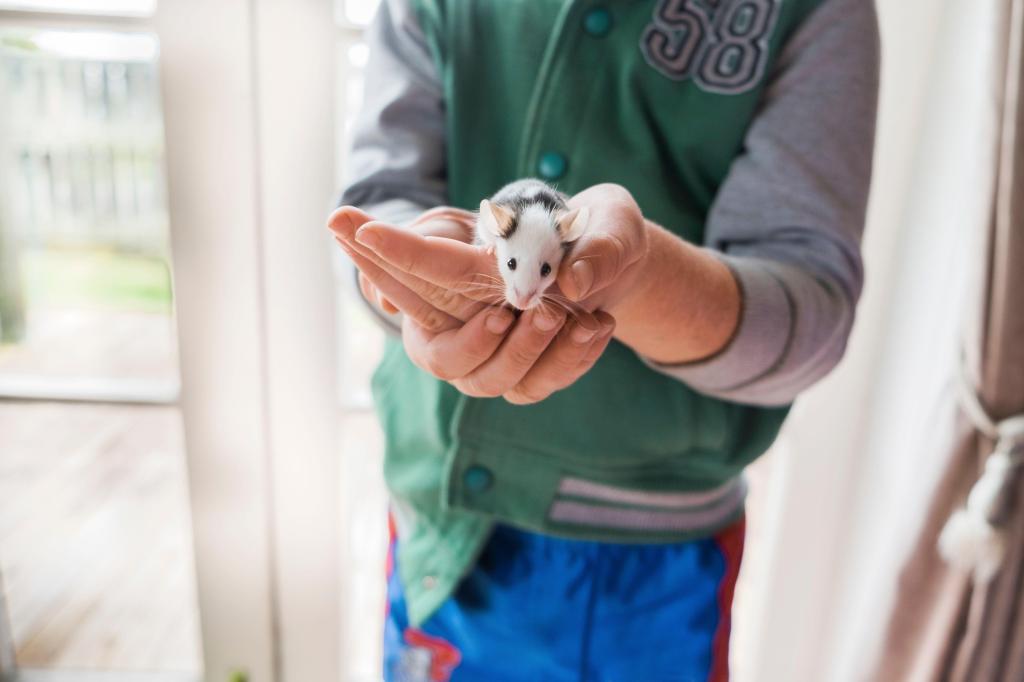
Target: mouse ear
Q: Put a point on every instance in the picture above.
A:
(572, 224)
(495, 221)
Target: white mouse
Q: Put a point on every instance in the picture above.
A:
(529, 227)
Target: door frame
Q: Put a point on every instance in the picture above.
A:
(248, 117)
(248, 94)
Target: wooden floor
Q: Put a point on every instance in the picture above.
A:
(95, 538)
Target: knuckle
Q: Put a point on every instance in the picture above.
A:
(480, 388)
(438, 296)
(436, 363)
(614, 190)
(464, 387)
(611, 244)
(476, 353)
(490, 388)
(522, 395)
(521, 356)
(567, 363)
(432, 320)
(447, 298)
(416, 356)
(612, 248)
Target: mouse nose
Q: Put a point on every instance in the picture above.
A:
(519, 299)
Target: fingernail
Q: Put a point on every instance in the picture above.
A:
(582, 334)
(583, 277)
(544, 322)
(497, 323)
(368, 238)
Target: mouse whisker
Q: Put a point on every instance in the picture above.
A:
(568, 303)
(473, 289)
(478, 287)
(484, 278)
(491, 294)
(571, 311)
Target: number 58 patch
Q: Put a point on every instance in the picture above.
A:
(721, 44)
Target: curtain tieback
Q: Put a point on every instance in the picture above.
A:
(972, 539)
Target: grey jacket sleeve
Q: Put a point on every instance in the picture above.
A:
(396, 161)
(787, 220)
(396, 158)
(789, 217)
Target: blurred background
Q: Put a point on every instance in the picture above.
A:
(190, 481)
(96, 546)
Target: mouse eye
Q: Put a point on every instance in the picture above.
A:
(545, 270)
(511, 264)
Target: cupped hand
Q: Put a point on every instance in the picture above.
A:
(538, 353)
(446, 288)
(395, 289)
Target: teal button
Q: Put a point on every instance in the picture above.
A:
(597, 22)
(552, 165)
(477, 479)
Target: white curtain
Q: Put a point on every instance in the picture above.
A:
(853, 466)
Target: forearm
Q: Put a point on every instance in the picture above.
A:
(788, 219)
(685, 305)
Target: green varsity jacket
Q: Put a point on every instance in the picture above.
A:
(655, 95)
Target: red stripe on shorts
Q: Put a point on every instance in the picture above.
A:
(730, 543)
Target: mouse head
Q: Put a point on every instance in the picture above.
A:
(529, 244)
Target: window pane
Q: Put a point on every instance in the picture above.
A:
(114, 7)
(85, 292)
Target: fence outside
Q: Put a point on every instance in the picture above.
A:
(83, 148)
(81, 151)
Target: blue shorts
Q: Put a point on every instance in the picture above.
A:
(540, 608)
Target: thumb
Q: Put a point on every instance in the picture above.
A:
(615, 239)
(595, 262)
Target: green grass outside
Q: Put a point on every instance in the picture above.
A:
(96, 278)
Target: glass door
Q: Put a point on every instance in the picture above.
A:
(96, 553)
(169, 504)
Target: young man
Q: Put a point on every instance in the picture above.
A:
(567, 492)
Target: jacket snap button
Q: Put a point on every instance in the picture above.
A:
(552, 165)
(597, 22)
(429, 582)
(477, 479)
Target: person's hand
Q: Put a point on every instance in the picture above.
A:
(439, 281)
(605, 267)
(673, 301)
(394, 290)
(539, 355)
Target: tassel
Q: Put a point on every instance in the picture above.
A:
(971, 544)
(970, 541)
